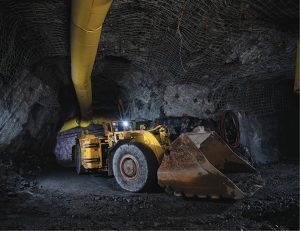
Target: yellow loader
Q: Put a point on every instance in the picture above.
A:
(193, 165)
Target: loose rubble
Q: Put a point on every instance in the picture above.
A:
(62, 200)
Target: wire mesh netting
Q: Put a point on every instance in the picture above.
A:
(31, 31)
(191, 39)
(225, 45)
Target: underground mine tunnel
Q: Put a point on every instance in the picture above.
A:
(157, 114)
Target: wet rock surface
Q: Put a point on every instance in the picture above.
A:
(62, 200)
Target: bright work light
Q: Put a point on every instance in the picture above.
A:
(125, 123)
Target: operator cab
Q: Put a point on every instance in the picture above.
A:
(120, 126)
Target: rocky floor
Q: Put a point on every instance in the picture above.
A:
(60, 199)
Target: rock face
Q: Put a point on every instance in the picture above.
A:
(30, 116)
(271, 138)
(187, 99)
(159, 58)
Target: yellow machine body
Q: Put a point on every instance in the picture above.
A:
(91, 152)
(157, 139)
(144, 137)
(83, 123)
(95, 149)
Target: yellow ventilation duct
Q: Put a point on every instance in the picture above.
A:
(86, 25)
(87, 18)
(76, 123)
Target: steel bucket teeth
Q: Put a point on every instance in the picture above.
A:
(196, 165)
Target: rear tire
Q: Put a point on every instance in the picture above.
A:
(135, 167)
(78, 161)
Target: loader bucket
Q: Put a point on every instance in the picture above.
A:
(201, 164)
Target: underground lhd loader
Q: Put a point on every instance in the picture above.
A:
(195, 164)
(132, 156)
(190, 166)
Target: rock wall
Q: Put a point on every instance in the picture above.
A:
(268, 111)
(271, 138)
(160, 58)
(29, 118)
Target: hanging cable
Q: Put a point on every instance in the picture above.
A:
(230, 129)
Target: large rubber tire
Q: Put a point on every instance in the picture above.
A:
(78, 162)
(144, 177)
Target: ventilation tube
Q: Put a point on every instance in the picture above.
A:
(87, 18)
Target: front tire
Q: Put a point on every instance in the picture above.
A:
(78, 161)
(135, 167)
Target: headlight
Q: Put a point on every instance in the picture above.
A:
(125, 123)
